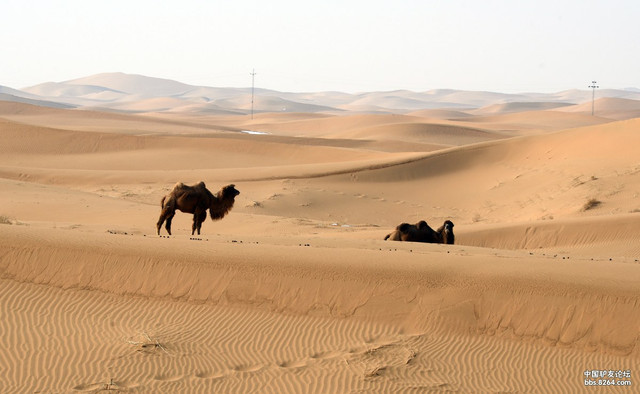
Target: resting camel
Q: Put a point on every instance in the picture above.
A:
(196, 199)
(446, 232)
(422, 232)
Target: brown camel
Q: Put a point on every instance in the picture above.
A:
(196, 199)
(422, 232)
(446, 232)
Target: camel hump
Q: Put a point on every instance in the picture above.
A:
(403, 227)
(201, 185)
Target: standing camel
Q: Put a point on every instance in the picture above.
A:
(196, 199)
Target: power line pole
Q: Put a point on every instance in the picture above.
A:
(253, 79)
(593, 87)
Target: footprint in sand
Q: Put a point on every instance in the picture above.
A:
(168, 377)
(292, 364)
(112, 385)
(247, 368)
(210, 375)
(325, 355)
(91, 387)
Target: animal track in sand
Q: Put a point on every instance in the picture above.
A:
(376, 359)
(88, 387)
(292, 364)
(116, 232)
(168, 377)
(247, 367)
(112, 385)
(325, 355)
(210, 375)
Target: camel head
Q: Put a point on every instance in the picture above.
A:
(229, 192)
(223, 202)
(447, 232)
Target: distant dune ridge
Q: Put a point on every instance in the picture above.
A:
(295, 290)
(118, 90)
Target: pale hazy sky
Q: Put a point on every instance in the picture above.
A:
(352, 46)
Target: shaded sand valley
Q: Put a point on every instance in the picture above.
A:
(295, 290)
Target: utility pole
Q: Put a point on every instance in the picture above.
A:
(253, 79)
(593, 87)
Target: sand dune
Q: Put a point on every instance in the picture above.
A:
(532, 122)
(235, 321)
(518, 107)
(271, 104)
(119, 90)
(295, 290)
(425, 133)
(9, 98)
(609, 107)
(440, 114)
(132, 84)
(528, 178)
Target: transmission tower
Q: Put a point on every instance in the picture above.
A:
(593, 87)
(253, 79)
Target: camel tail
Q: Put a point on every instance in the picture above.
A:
(162, 202)
(387, 237)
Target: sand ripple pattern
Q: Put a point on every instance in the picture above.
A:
(87, 341)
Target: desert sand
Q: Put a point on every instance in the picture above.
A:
(295, 290)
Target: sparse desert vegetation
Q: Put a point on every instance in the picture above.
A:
(591, 204)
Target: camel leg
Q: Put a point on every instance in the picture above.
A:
(196, 218)
(169, 219)
(163, 217)
(159, 224)
(201, 219)
(166, 213)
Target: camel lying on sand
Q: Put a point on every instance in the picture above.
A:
(422, 232)
(196, 199)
